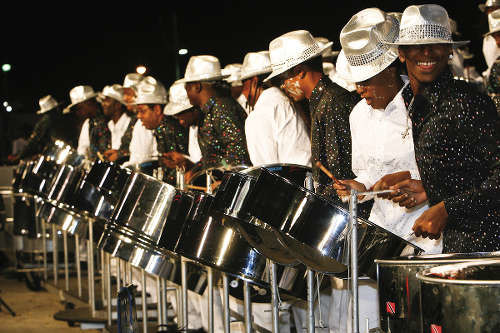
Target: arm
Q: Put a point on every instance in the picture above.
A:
(84, 140)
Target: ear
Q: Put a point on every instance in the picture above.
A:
(402, 57)
(198, 87)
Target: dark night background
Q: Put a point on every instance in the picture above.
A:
(51, 49)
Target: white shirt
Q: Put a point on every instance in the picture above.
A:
(193, 145)
(118, 129)
(378, 149)
(242, 100)
(142, 144)
(275, 133)
(84, 139)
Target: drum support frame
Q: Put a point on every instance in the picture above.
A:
(44, 245)
(184, 293)
(66, 260)
(144, 302)
(107, 271)
(55, 259)
(274, 297)
(247, 301)
(353, 224)
(77, 263)
(90, 264)
(210, 274)
(225, 295)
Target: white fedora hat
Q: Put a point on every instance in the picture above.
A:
(493, 22)
(488, 3)
(256, 63)
(425, 24)
(203, 68)
(150, 91)
(178, 100)
(343, 75)
(132, 79)
(291, 49)
(362, 42)
(47, 103)
(328, 52)
(78, 95)
(234, 72)
(115, 91)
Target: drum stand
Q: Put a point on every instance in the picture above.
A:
(66, 261)
(184, 295)
(227, 314)
(55, 259)
(274, 297)
(78, 267)
(90, 265)
(310, 275)
(353, 224)
(144, 304)
(44, 245)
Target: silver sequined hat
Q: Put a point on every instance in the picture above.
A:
(79, 94)
(203, 68)
(115, 91)
(150, 91)
(234, 72)
(328, 52)
(425, 24)
(362, 42)
(488, 3)
(178, 101)
(255, 63)
(292, 49)
(47, 103)
(494, 22)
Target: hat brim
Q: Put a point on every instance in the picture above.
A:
(101, 95)
(172, 109)
(214, 78)
(68, 108)
(312, 55)
(365, 72)
(41, 111)
(428, 41)
(256, 73)
(489, 33)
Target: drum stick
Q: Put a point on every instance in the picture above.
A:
(100, 156)
(327, 172)
(194, 187)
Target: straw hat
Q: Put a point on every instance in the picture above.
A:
(203, 68)
(292, 49)
(178, 101)
(115, 91)
(79, 94)
(47, 103)
(255, 63)
(362, 42)
(488, 3)
(328, 52)
(150, 91)
(233, 70)
(425, 24)
(493, 22)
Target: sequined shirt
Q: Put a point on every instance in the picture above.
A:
(100, 136)
(456, 153)
(221, 133)
(171, 136)
(494, 84)
(124, 150)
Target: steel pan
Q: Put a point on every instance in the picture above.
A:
(146, 223)
(24, 217)
(399, 290)
(98, 192)
(17, 177)
(315, 230)
(148, 167)
(199, 178)
(231, 199)
(461, 297)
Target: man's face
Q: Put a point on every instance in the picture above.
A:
(188, 117)
(236, 91)
(128, 98)
(291, 85)
(193, 91)
(425, 63)
(86, 109)
(378, 90)
(150, 116)
(110, 106)
(496, 35)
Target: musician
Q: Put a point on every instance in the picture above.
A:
(454, 138)
(95, 137)
(274, 131)
(493, 86)
(43, 132)
(220, 119)
(169, 134)
(490, 49)
(236, 85)
(120, 124)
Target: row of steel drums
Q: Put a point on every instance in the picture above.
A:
(256, 215)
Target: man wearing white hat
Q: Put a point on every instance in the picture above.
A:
(95, 137)
(234, 79)
(493, 85)
(274, 131)
(130, 83)
(120, 124)
(329, 57)
(221, 133)
(169, 134)
(454, 138)
(490, 49)
(43, 131)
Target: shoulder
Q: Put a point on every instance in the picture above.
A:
(359, 110)
(272, 97)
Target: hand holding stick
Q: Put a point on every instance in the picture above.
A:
(327, 172)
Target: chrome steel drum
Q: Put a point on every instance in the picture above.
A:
(399, 289)
(315, 230)
(231, 199)
(98, 193)
(146, 223)
(148, 167)
(17, 178)
(461, 298)
(73, 223)
(199, 178)
(24, 217)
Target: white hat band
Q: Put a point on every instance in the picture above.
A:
(292, 61)
(425, 31)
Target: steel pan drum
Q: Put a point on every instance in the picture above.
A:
(399, 290)
(148, 167)
(199, 178)
(461, 298)
(146, 223)
(315, 230)
(17, 177)
(231, 199)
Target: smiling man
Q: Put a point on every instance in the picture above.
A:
(454, 138)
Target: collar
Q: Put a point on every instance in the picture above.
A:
(319, 89)
(209, 105)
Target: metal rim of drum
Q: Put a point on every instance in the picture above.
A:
(423, 276)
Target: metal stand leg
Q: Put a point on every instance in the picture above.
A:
(90, 262)
(274, 297)
(210, 281)
(66, 260)
(44, 244)
(118, 274)
(103, 277)
(159, 303)
(353, 207)
(178, 299)
(164, 287)
(55, 258)
(130, 272)
(248, 307)
(184, 294)
(144, 304)
(310, 301)
(227, 313)
(78, 267)
(107, 256)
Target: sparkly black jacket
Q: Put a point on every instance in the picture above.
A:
(456, 153)
(171, 136)
(221, 133)
(41, 135)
